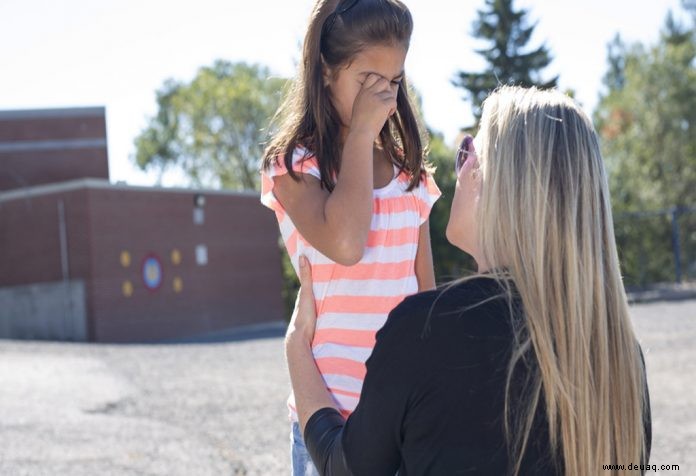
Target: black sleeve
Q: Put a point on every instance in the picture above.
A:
(322, 437)
(368, 443)
(647, 415)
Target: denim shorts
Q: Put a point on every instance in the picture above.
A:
(302, 464)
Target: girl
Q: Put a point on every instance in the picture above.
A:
(346, 177)
(530, 367)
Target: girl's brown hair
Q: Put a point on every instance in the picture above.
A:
(338, 30)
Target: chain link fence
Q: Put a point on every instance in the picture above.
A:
(657, 246)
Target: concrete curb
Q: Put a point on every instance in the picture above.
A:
(251, 332)
(662, 292)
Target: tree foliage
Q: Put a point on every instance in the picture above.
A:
(509, 60)
(213, 127)
(646, 119)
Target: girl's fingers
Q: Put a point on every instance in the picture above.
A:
(370, 80)
(379, 83)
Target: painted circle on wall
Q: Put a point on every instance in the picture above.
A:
(152, 272)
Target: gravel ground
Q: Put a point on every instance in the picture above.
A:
(218, 408)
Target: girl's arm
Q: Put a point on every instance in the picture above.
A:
(338, 223)
(424, 259)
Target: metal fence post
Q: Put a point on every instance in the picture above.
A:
(675, 244)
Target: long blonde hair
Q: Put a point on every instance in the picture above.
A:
(545, 217)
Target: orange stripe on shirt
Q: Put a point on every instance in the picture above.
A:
(338, 366)
(344, 337)
(358, 304)
(398, 237)
(322, 273)
(402, 203)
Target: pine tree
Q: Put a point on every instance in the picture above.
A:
(615, 77)
(508, 32)
(690, 7)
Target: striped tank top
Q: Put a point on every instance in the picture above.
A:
(353, 302)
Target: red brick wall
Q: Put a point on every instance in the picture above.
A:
(48, 146)
(240, 285)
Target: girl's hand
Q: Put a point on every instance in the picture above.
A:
(304, 317)
(373, 105)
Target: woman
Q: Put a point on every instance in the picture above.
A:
(529, 367)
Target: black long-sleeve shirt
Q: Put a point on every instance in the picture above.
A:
(433, 397)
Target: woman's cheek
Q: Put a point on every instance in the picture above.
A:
(454, 224)
(462, 227)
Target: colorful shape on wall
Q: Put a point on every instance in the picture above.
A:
(152, 272)
(178, 284)
(127, 288)
(176, 257)
(125, 259)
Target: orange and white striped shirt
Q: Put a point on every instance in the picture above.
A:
(353, 302)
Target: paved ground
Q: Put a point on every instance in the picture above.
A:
(218, 408)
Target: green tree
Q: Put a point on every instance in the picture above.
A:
(614, 79)
(507, 55)
(213, 127)
(646, 121)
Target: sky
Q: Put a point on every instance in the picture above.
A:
(116, 54)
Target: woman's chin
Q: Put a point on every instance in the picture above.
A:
(455, 238)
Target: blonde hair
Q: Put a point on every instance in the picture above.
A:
(545, 217)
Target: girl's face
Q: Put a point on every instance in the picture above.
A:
(344, 82)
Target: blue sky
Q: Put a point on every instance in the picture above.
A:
(117, 53)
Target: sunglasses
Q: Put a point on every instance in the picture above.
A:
(462, 153)
(340, 10)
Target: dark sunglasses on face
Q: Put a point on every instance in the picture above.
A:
(462, 153)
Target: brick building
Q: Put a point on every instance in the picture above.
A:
(84, 259)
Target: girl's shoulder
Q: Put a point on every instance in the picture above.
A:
(302, 160)
(427, 192)
(428, 184)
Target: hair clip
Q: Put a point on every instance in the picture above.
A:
(331, 19)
